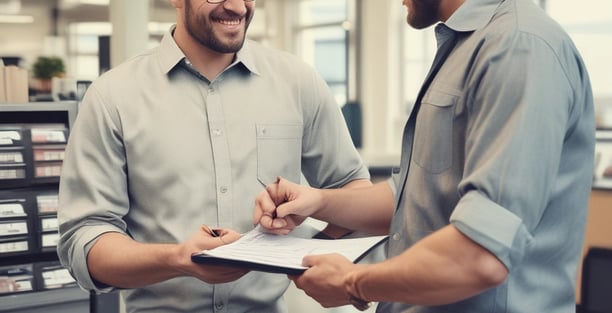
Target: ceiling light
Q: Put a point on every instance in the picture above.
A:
(16, 19)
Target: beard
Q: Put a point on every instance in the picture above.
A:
(423, 13)
(202, 29)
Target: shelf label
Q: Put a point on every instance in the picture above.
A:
(16, 246)
(11, 209)
(15, 228)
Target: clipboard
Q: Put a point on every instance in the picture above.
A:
(283, 254)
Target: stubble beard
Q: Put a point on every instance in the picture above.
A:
(201, 29)
(423, 13)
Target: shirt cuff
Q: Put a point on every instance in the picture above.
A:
(78, 267)
(494, 227)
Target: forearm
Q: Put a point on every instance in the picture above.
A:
(444, 267)
(119, 261)
(336, 231)
(358, 183)
(358, 207)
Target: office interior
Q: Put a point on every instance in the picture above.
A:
(371, 59)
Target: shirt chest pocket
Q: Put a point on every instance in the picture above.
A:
(433, 139)
(279, 152)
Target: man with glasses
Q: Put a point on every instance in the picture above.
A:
(188, 134)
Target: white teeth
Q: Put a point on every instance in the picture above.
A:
(233, 22)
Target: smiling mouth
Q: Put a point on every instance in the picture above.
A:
(228, 22)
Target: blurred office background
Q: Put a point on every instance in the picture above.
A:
(371, 59)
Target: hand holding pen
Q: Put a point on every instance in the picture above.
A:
(274, 207)
(210, 231)
(217, 233)
(206, 238)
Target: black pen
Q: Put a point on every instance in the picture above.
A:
(209, 230)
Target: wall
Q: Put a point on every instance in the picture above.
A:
(377, 84)
(26, 40)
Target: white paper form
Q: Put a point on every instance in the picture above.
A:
(263, 251)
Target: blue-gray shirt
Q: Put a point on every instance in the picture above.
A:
(503, 150)
(157, 150)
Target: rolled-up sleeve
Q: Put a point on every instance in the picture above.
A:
(92, 198)
(514, 145)
(492, 226)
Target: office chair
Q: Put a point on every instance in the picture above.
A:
(596, 288)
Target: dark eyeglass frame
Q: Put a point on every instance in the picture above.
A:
(221, 1)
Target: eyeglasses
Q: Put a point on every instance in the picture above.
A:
(221, 1)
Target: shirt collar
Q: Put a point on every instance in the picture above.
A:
(171, 54)
(245, 56)
(472, 15)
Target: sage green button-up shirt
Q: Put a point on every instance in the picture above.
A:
(158, 150)
(503, 150)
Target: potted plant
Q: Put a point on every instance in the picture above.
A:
(44, 69)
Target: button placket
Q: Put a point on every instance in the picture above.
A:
(221, 155)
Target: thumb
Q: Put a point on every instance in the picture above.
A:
(285, 209)
(310, 260)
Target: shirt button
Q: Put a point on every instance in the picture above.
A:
(211, 90)
(396, 236)
(223, 189)
(219, 305)
(217, 132)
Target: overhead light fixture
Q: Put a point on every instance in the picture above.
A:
(16, 19)
(95, 2)
(10, 6)
(68, 4)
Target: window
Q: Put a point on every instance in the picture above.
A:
(592, 34)
(83, 48)
(322, 39)
(416, 52)
(417, 55)
(327, 53)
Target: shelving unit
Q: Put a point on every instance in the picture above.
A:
(32, 142)
(39, 112)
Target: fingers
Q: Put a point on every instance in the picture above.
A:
(204, 239)
(266, 205)
(228, 236)
(274, 207)
(282, 193)
(312, 260)
(273, 224)
(276, 192)
(263, 206)
(216, 237)
(215, 274)
(335, 260)
(324, 279)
